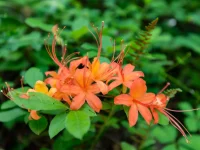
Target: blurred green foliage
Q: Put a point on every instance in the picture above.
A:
(172, 56)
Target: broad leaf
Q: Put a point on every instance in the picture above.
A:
(37, 126)
(38, 23)
(37, 101)
(32, 75)
(57, 125)
(77, 123)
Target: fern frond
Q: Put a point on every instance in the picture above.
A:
(172, 92)
(142, 40)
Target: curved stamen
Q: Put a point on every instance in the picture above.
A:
(187, 110)
(175, 122)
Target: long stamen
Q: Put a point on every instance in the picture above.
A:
(175, 122)
(94, 37)
(100, 40)
(187, 110)
(164, 87)
(113, 57)
(21, 80)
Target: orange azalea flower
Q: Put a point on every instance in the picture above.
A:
(137, 100)
(85, 90)
(58, 80)
(125, 76)
(159, 104)
(101, 72)
(40, 86)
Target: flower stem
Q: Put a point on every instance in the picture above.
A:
(111, 113)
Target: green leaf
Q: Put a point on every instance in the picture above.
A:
(37, 101)
(193, 144)
(38, 23)
(77, 123)
(87, 109)
(37, 126)
(11, 114)
(127, 146)
(191, 123)
(57, 125)
(187, 106)
(163, 120)
(76, 34)
(164, 134)
(8, 104)
(106, 42)
(32, 75)
(79, 23)
(104, 59)
(170, 147)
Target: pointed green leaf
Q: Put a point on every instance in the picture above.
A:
(32, 75)
(57, 125)
(37, 126)
(77, 123)
(37, 101)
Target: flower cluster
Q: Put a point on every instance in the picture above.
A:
(80, 80)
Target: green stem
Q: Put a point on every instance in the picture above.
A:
(111, 113)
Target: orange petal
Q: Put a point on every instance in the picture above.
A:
(94, 102)
(75, 63)
(114, 84)
(40, 86)
(83, 77)
(155, 116)
(145, 112)
(128, 84)
(78, 101)
(51, 81)
(147, 98)
(34, 115)
(138, 88)
(94, 88)
(128, 69)
(103, 69)
(51, 73)
(133, 75)
(66, 98)
(133, 115)
(103, 87)
(123, 99)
